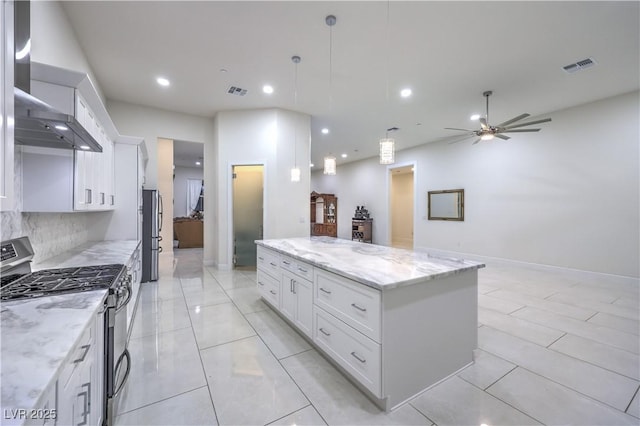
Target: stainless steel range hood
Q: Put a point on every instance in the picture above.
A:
(36, 122)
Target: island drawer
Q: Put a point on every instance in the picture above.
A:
(297, 267)
(356, 304)
(269, 261)
(356, 353)
(268, 288)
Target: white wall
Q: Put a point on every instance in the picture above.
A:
(357, 184)
(180, 188)
(566, 196)
(152, 123)
(261, 137)
(53, 41)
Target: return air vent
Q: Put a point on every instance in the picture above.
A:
(580, 65)
(237, 91)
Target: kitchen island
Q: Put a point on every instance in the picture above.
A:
(395, 321)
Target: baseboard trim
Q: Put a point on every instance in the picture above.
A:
(577, 273)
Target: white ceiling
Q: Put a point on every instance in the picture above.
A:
(448, 53)
(185, 154)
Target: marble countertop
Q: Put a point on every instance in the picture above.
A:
(91, 253)
(39, 334)
(380, 267)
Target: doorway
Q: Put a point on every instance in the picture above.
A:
(248, 200)
(401, 207)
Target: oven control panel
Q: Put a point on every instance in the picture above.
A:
(8, 252)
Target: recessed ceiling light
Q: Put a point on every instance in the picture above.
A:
(405, 93)
(163, 81)
(344, 155)
(311, 165)
(223, 70)
(267, 89)
(61, 127)
(475, 117)
(198, 163)
(325, 131)
(84, 146)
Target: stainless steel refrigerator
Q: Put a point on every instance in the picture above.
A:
(151, 227)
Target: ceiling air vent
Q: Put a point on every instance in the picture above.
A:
(237, 91)
(580, 65)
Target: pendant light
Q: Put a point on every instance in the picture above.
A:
(387, 150)
(330, 165)
(330, 161)
(295, 171)
(387, 145)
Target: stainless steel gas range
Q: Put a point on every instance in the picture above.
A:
(19, 283)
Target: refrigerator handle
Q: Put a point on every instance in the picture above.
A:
(160, 211)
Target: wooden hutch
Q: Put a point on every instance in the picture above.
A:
(324, 214)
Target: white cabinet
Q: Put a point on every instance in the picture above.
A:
(128, 175)
(296, 301)
(286, 284)
(6, 107)
(393, 343)
(91, 173)
(80, 383)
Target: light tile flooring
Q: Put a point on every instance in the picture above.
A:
(553, 349)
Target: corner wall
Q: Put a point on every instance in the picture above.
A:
(567, 196)
(271, 137)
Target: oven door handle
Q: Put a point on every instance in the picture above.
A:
(126, 355)
(121, 306)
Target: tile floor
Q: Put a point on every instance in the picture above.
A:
(554, 348)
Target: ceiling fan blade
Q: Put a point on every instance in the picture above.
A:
(483, 123)
(520, 130)
(455, 139)
(476, 141)
(462, 130)
(513, 120)
(544, 120)
(503, 137)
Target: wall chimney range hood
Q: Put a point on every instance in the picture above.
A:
(36, 122)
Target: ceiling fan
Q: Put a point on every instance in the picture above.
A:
(488, 132)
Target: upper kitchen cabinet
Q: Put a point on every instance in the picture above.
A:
(6, 107)
(59, 180)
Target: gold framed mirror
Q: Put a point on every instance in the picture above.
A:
(446, 205)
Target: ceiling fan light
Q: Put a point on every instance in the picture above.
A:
(387, 151)
(487, 137)
(329, 165)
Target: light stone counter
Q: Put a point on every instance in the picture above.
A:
(38, 334)
(380, 267)
(91, 253)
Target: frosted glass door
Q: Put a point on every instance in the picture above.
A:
(247, 213)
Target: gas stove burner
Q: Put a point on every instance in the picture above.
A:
(50, 282)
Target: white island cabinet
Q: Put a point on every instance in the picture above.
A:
(395, 321)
